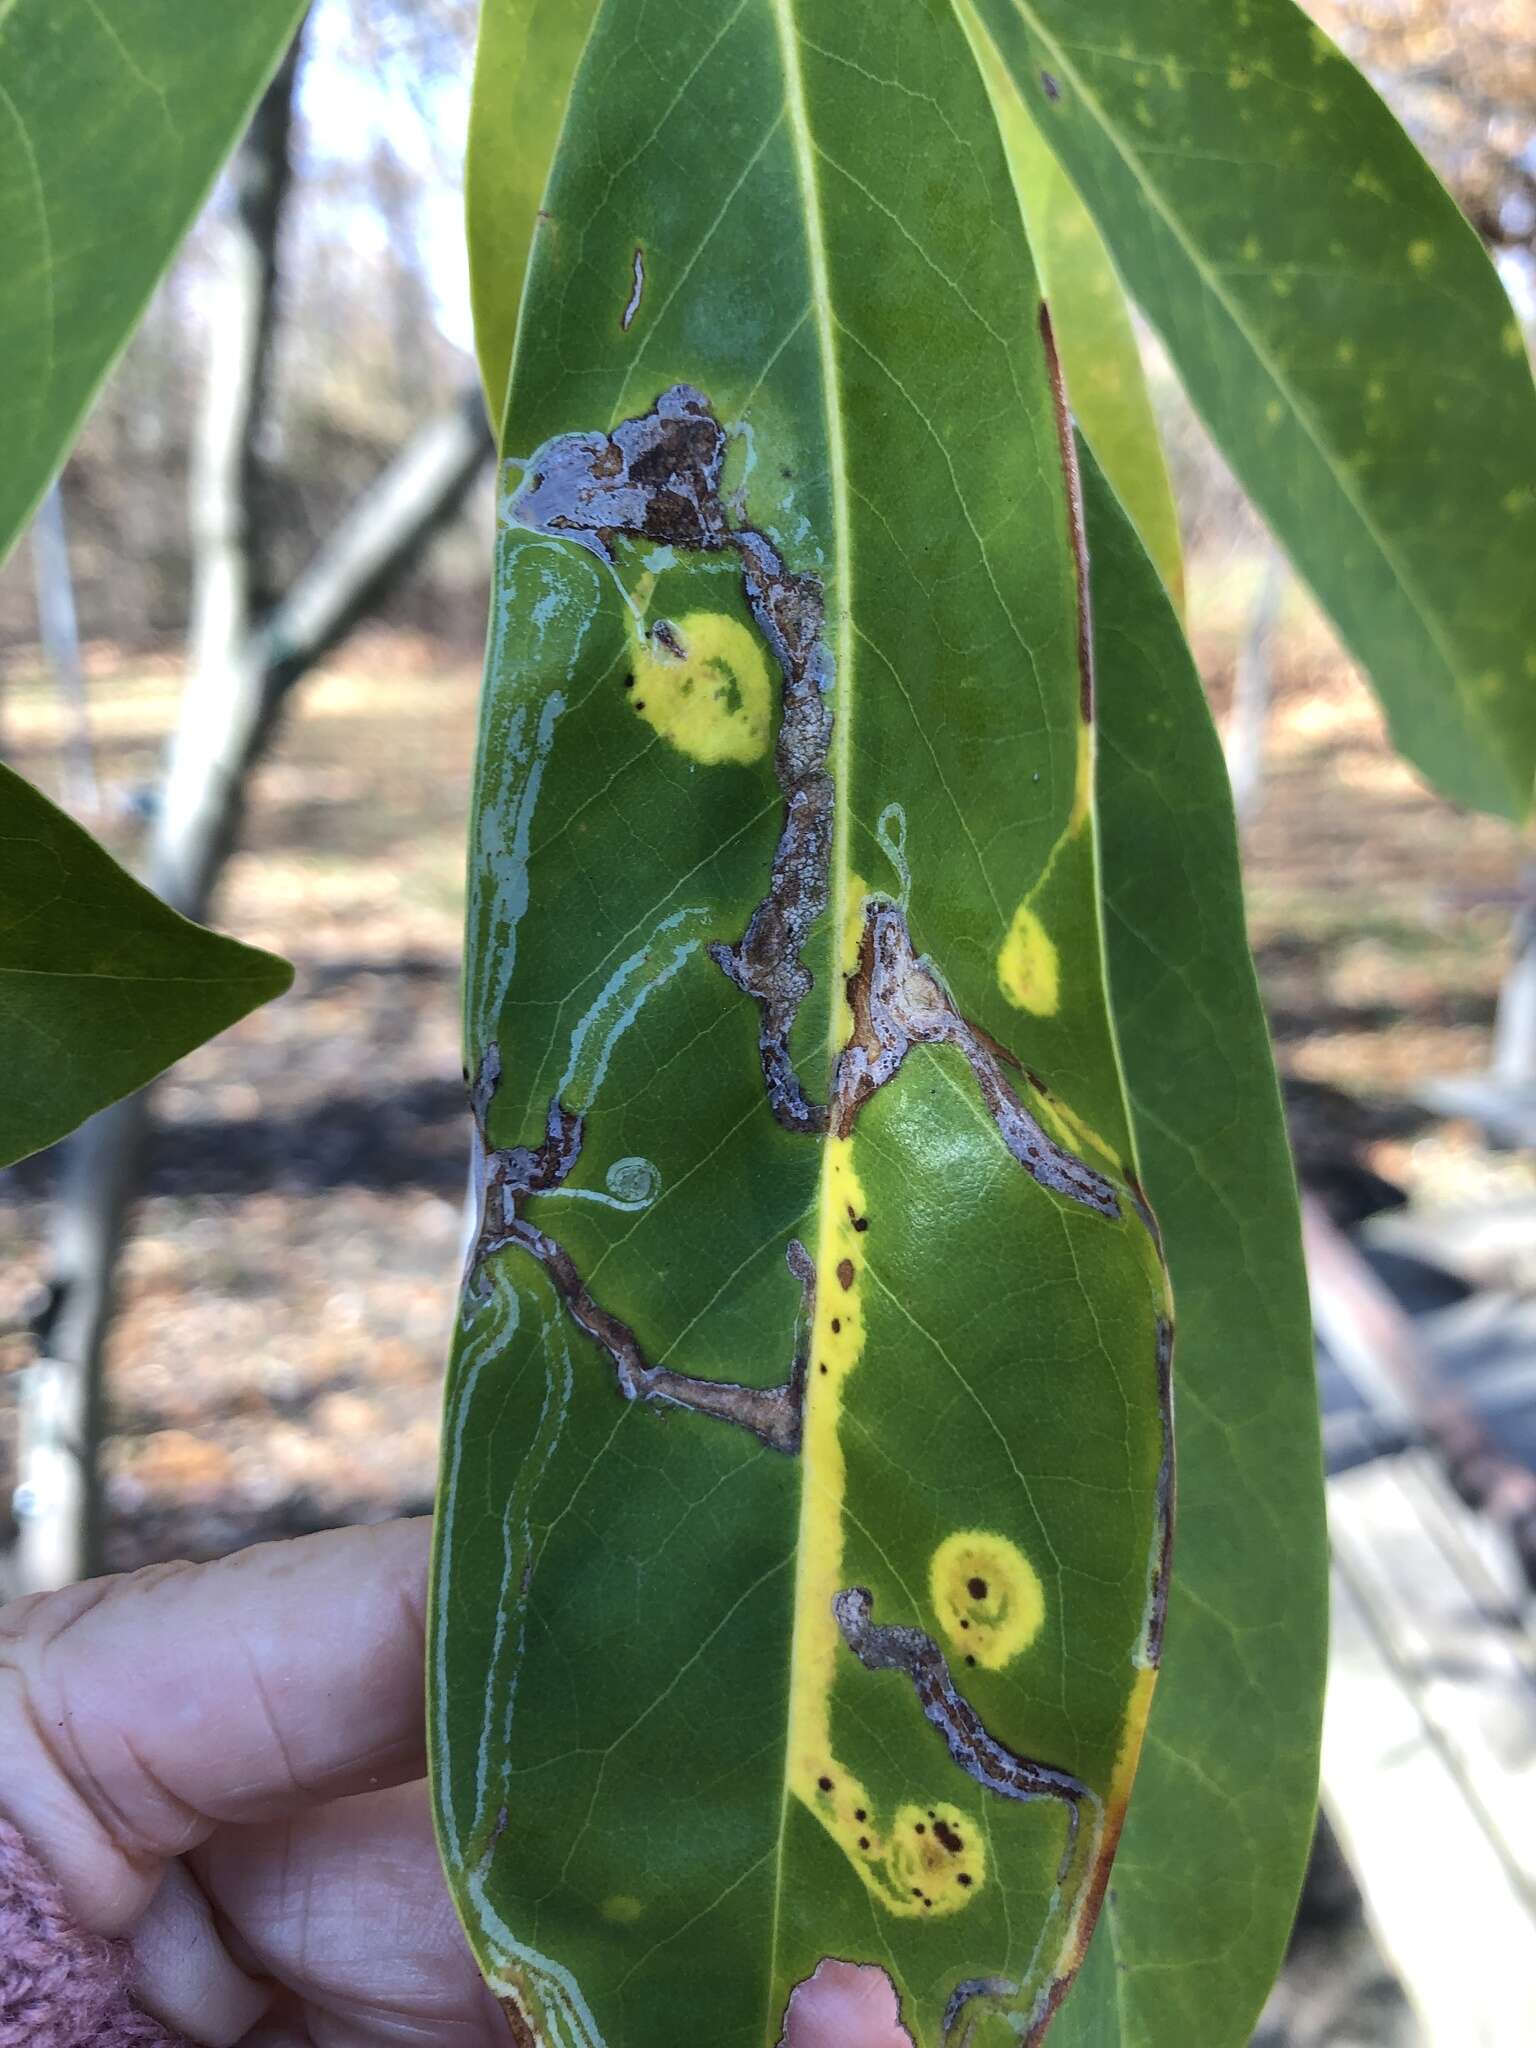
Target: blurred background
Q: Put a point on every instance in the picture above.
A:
(296, 424)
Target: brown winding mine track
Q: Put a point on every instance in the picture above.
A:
(657, 478)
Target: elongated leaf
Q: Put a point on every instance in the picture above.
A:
(1336, 322)
(524, 64)
(1099, 355)
(114, 117)
(101, 986)
(800, 1568)
(1206, 1881)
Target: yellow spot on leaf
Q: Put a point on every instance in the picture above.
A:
(928, 1858)
(1029, 967)
(1346, 352)
(1421, 254)
(713, 700)
(623, 1910)
(937, 1855)
(1250, 249)
(1366, 180)
(1133, 1733)
(1511, 339)
(1274, 411)
(987, 1596)
(1238, 79)
(1082, 785)
(1076, 1133)
(856, 896)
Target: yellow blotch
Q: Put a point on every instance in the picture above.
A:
(987, 1596)
(1106, 1834)
(1250, 250)
(1274, 411)
(1074, 1131)
(1511, 339)
(1029, 966)
(930, 1858)
(622, 1910)
(1346, 351)
(1421, 254)
(1238, 79)
(855, 897)
(1132, 1734)
(937, 1856)
(1082, 785)
(704, 686)
(837, 1339)
(1366, 180)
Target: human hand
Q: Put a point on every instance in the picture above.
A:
(224, 1764)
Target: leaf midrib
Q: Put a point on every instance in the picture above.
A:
(839, 755)
(1124, 149)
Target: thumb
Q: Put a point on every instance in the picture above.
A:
(845, 2005)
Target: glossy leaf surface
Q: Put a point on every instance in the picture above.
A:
(801, 1543)
(114, 118)
(101, 986)
(1337, 324)
(1099, 354)
(525, 61)
(1206, 1881)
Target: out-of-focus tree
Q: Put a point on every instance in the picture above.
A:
(1461, 76)
(374, 335)
(263, 609)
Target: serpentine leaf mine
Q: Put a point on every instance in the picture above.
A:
(701, 681)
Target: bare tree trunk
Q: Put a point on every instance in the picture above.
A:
(242, 670)
(1514, 1025)
(59, 632)
(1248, 721)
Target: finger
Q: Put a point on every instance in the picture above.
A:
(346, 1907)
(137, 1712)
(183, 1973)
(845, 2005)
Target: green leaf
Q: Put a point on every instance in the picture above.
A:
(1338, 325)
(114, 117)
(759, 1432)
(524, 63)
(1206, 1880)
(101, 985)
(1099, 356)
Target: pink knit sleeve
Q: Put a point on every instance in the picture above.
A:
(60, 1988)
